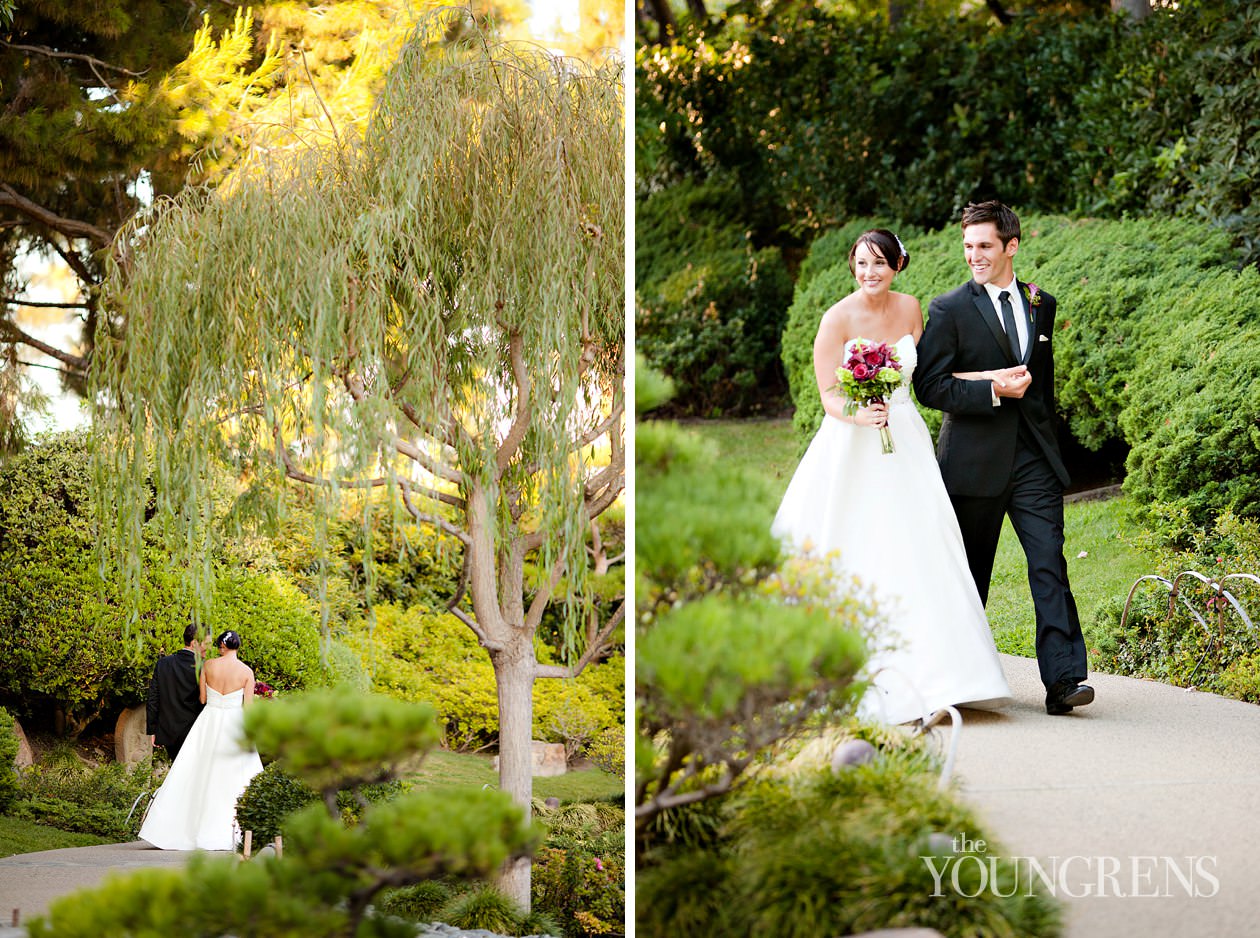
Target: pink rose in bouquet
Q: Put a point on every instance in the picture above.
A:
(869, 373)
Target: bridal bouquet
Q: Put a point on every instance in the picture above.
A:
(869, 374)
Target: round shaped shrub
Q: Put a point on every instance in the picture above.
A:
(271, 797)
(483, 908)
(422, 902)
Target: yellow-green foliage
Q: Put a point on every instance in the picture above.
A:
(333, 738)
(414, 654)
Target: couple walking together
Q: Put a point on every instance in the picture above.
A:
(197, 715)
(922, 529)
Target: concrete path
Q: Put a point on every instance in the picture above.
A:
(29, 882)
(1154, 791)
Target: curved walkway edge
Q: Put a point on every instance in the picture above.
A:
(29, 882)
(1141, 808)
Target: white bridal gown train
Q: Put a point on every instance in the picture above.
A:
(195, 809)
(891, 520)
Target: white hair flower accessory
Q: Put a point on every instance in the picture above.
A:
(900, 247)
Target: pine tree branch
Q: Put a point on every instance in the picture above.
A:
(9, 332)
(76, 56)
(594, 648)
(70, 227)
(73, 261)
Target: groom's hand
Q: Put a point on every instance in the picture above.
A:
(1010, 382)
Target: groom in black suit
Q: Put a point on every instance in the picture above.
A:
(998, 448)
(174, 699)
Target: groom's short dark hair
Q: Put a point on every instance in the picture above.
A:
(190, 632)
(1006, 221)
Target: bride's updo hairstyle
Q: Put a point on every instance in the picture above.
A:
(887, 245)
(229, 639)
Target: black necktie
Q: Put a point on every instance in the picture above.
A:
(1008, 322)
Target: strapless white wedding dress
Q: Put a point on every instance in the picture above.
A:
(195, 809)
(891, 520)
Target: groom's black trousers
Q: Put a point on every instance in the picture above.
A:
(1034, 501)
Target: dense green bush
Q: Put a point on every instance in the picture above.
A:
(836, 854)
(62, 791)
(579, 872)
(1111, 116)
(709, 303)
(8, 753)
(1217, 654)
(270, 797)
(70, 648)
(1191, 412)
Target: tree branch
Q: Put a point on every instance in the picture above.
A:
(77, 56)
(70, 227)
(16, 301)
(482, 637)
(524, 407)
(454, 530)
(9, 332)
(594, 648)
(355, 387)
(543, 596)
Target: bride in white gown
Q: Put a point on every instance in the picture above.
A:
(888, 515)
(195, 809)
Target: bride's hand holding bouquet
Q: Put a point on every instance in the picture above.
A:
(869, 374)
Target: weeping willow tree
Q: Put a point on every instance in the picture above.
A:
(433, 311)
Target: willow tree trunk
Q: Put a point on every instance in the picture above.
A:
(514, 680)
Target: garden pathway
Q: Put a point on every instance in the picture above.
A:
(1153, 790)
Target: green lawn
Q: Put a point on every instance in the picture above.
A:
(456, 768)
(1098, 529)
(17, 836)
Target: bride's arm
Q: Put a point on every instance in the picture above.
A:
(828, 355)
(201, 683)
(249, 691)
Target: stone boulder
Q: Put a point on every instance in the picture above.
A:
(25, 757)
(546, 759)
(131, 742)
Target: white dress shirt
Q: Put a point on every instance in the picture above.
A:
(1017, 307)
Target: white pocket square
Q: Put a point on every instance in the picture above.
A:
(1043, 338)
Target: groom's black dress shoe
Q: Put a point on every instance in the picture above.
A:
(1065, 695)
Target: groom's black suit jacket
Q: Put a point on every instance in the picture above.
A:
(174, 699)
(977, 442)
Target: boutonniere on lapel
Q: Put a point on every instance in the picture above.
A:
(1032, 293)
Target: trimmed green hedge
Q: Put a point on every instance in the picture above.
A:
(709, 303)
